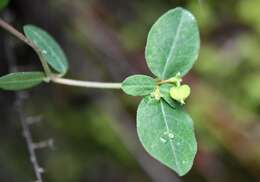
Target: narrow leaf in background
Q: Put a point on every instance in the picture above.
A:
(138, 85)
(173, 44)
(21, 80)
(167, 134)
(49, 49)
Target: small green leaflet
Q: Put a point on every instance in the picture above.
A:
(21, 80)
(3, 4)
(173, 44)
(49, 49)
(138, 85)
(167, 134)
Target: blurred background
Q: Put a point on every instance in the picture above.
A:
(94, 131)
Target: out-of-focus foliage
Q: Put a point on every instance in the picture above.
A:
(105, 40)
(3, 4)
(248, 11)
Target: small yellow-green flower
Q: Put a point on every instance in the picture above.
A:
(156, 94)
(180, 93)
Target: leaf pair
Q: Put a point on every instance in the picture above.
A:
(164, 128)
(48, 50)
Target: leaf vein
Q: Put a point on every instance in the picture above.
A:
(49, 50)
(168, 130)
(173, 45)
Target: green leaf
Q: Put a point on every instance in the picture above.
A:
(3, 4)
(138, 85)
(173, 44)
(21, 80)
(167, 134)
(165, 94)
(49, 49)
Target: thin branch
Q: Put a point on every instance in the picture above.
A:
(44, 144)
(34, 119)
(86, 84)
(28, 137)
(20, 36)
(16, 33)
(20, 96)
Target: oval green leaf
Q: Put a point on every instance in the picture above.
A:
(21, 80)
(138, 85)
(49, 49)
(173, 44)
(167, 134)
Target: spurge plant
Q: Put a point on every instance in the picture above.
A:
(164, 128)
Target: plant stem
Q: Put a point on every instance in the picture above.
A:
(47, 70)
(20, 97)
(173, 81)
(163, 81)
(16, 33)
(28, 137)
(86, 84)
(20, 36)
